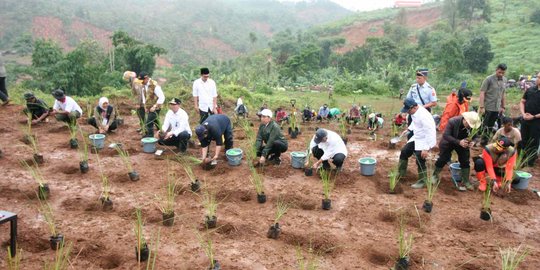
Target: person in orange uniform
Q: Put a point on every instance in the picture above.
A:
(498, 160)
(456, 104)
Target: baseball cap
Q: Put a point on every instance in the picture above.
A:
(319, 135)
(422, 72)
(408, 103)
(502, 143)
(472, 119)
(58, 94)
(266, 112)
(199, 130)
(28, 95)
(175, 101)
(142, 75)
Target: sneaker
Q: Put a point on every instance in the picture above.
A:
(418, 185)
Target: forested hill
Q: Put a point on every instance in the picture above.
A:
(190, 30)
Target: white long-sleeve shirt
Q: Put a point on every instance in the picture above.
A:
(157, 91)
(333, 145)
(206, 91)
(68, 106)
(177, 122)
(424, 130)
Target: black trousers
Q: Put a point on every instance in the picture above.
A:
(204, 115)
(480, 166)
(149, 120)
(490, 118)
(112, 126)
(3, 90)
(445, 154)
(408, 150)
(338, 158)
(530, 139)
(180, 141)
(278, 147)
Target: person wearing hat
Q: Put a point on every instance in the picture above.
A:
(492, 98)
(205, 95)
(456, 104)
(307, 115)
(509, 131)
(455, 138)
(422, 92)
(3, 90)
(175, 130)
(323, 113)
(354, 115)
(104, 118)
(216, 127)
(270, 141)
(422, 140)
(375, 121)
(327, 147)
(150, 98)
(65, 108)
(529, 108)
(36, 108)
(497, 160)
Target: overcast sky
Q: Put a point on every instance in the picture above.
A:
(362, 5)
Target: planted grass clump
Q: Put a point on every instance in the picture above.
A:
(124, 155)
(431, 186)
(31, 140)
(105, 197)
(61, 258)
(207, 245)
(328, 187)
(83, 155)
(404, 247)
(307, 261)
(281, 209)
(210, 205)
(393, 180)
(258, 182)
(308, 170)
(14, 261)
(73, 130)
(56, 239)
(166, 204)
(194, 183)
(141, 249)
(485, 212)
(511, 258)
(43, 190)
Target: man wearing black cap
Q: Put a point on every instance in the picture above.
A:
(150, 99)
(205, 95)
(36, 108)
(175, 130)
(65, 109)
(492, 98)
(327, 147)
(422, 140)
(423, 93)
(217, 128)
(498, 160)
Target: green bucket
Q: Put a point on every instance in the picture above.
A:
(367, 166)
(149, 144)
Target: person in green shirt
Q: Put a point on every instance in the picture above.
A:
(270, 142)
(334, 113)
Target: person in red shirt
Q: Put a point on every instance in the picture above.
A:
(354, 115)
(456, 104)
(498, 160)
(281, 116)
(400, 119)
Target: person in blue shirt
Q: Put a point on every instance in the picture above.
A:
(216, 128)
(422, 92)
(323, 113)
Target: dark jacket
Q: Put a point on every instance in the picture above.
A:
(218, 126)
(269, 134)
(110, 115)
(454, 132)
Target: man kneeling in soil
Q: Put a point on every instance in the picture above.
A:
(104, 118)
(498, 161)
(327, 146)
(65, 109)
(455, 138)
(175, 130)
(217, 128)
(270, 141)
(36, 108)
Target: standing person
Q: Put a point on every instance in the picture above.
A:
(3, 90)
(36, 108)
(508, 131)
(65, 109)
(151, 99)
(498, 160)
(216, 127)
(421, 92)
(455, 138)
(175, 129)
(136, 89)
(492, 99)
(205, 95)
(422, 140)
(323, 113)
(456, 104)
(104, 118)
(530, 126)
(327, 147)
(270, 141)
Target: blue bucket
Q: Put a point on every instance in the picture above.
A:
(97, 140)
(455, 171)
(367, 166)
(521, 180)
(298, 159)
(234, 156)
(149, 144)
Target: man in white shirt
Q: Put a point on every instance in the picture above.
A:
(424, 138)
(205, 95)
(175, 129)
(328, 147)
(151, 99)
(240, 109)
(65, 109)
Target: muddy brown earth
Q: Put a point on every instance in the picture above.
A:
(359, 232)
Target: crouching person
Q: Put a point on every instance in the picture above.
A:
(65, 108)
(270, 141)
(36, 108)
(104, 118)
(498, 161)
(327, 147)
(175, 130)
(216, 128)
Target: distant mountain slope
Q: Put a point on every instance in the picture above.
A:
(192, 31)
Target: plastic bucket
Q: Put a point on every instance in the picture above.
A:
(367, 166)
(97, 140)
(455, 171)
(234, 156)
(522, 179)
(149, 144)
(298, 159)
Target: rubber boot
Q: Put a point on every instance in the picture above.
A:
(482, 180)
(402, 168)
(421, 180)
(436, 178)
(465, 173)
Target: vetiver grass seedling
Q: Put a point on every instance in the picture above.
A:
(511, 258)
(153, 253)
(308, 261)
(124, 155)
(393, 180)
(43, 190)
(281, 209)
(61, 258)
(142, 251)
(328, 187)
(166, 204)
(207, 245)
(485, 213)
(83, 154)
(431, 187)
(258, 182)
(56, 239)
(105, 196)
(210, 205)
(404, 246)
(14, 262)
